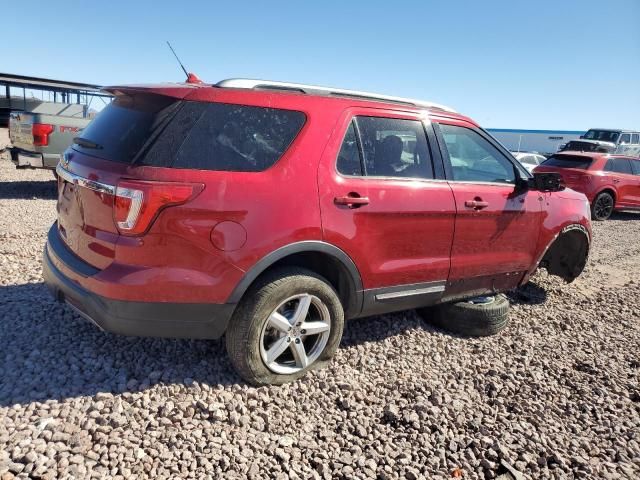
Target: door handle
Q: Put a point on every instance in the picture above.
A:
(352, 200)
(476, 204)
(616, 180)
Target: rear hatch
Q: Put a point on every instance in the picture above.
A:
(94, 165)
(151, 148)
(572, 168)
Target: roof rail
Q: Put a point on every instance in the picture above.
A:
(325, 91)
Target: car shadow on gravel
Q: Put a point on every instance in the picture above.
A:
(49, 352)
(529, 294)
(625, 216)
(45, 190)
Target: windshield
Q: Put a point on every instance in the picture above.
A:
(568, 161)
(602, 135)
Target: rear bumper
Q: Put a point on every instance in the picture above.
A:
(147, 319)
(26, 159)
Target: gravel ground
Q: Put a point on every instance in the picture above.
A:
(555, 395)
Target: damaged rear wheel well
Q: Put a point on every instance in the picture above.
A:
(567, 255)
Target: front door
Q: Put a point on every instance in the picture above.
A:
(383, 206)
(497, 224)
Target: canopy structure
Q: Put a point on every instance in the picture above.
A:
(59, 91)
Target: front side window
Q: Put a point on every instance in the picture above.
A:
(625, 138)
(474, 159)
(618, 165)
(528, 160)
(388, 147)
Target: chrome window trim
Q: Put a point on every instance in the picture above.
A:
(84, 182)
(478, 182)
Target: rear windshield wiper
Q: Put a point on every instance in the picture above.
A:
(83, 142)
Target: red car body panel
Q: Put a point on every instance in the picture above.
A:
(412, 231)
(386, 238)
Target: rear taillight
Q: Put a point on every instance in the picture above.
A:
(41, 132)
(137, 203)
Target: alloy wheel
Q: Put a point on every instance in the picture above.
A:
(603, 207)
(295, 334)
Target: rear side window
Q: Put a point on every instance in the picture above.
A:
(349, 159)
(618, 165)
(635, 138)
(217, 136)
(388, 147)
(635, 167)
(568, 161)
(122, 128)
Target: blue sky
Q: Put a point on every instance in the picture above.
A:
(544, 64)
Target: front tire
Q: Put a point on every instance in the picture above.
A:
(602, 206)
(287, 324)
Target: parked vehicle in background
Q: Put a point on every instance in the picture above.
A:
(610, 182)
(15, 104)
(47, 116)
(39, 137)
(622, 142)
(529, 160)
(270, 212)
(546, 142)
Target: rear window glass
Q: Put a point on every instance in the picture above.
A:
(217, 136)
(160, 131)
(568, 161)
(122, 128)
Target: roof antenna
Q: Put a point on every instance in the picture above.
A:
(191, 77)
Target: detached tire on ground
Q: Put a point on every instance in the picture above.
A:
(288, 323)
(472, 318)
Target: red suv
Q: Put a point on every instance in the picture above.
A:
(270, 212)
(610, 182)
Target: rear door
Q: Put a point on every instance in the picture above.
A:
(497, 224)
(619, 170)
(382, 204)
(635, 168)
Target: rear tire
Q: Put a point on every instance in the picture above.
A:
(470, 319)
(602, 206)
(259, 330)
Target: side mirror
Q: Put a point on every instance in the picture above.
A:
(546, 182)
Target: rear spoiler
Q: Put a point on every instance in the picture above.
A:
(176, 90)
